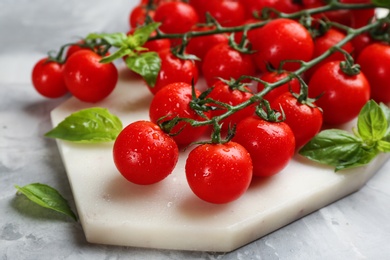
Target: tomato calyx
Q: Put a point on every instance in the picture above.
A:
(348, 66)
(264, 111)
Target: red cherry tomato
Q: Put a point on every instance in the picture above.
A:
(175, 17)
(360, 17)
(138, 15)
(286, 6)
(342, 16)
(47, 79)
(275, 76)
(219, 173)
(270, 144)
(305, 121)
(325, 42)
(199, 46)
(228, 13)
(222, 61)
(173, 100)
(374, 61)
(144, 154)
(343, 96)
(174, 69)
(88, 79)
(224, 93)
(280, 40)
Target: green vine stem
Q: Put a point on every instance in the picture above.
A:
(351, 33)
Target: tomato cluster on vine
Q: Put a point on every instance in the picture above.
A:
(271, 83)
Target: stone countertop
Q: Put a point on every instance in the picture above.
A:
(356, 227)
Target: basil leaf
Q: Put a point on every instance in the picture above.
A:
(372, 122)
(47, 197)
(383, 146)
(114, 39)
(363, 157)
(147, 64)
(386, 112)
(333, 147)
(141, 34)
(122, 51)
(381, 3)
(91, 125)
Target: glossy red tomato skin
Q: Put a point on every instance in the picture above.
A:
(199, 46)
(374, 61)
(47, 79)
(219, 173)
(271, 145)
(223, 93)
(304, 121)
(228, 13)
(222, 61)
(144, 154)
(173, 100)
(325, 42)
(343, 96)
(275, 76)
(279, 40)
(286, 6)
(138, 15)
(87, 79)
(174, 69)
(176, 17)
(361, 17)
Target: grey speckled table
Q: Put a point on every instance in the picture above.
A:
(356, 227)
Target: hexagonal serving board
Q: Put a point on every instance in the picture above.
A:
(168, 215)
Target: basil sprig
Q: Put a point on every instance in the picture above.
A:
(91, 125)
(343, 149)
(47, 197)
(138, 59)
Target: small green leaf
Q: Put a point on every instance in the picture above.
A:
(122, 51)
(147, 64)
(372, 122)
(91, 125)
(141, 34)
(115, 39)
(381, 3)
(47, 197)
(386, 112)
(383, 146)
(333, 147)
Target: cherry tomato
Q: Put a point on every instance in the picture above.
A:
(342, 16)
(343, 96)
(173, 100)
(175, 17)
(359, 42)
(228, 13)
(222, 61)
(279, 40)
(199, 46)
(47, 79)
(144, 154)
(219, 173)
(374, 61)
(275, 76)
(224, 93)
(174, 69)
(360, 17)
(305, 121)
(88, 79)
(138, 15)
(270, 144)
(286, 6)
(324, 43)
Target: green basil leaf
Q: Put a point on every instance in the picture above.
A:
(115, 39)
(386, 112)
(91, 125)
(47, 197)
(333, 147)
(381, 3)
(141, 34)
(383, 146)
(372, 122)
(363, 157)
(147, 64)
(122, 51)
